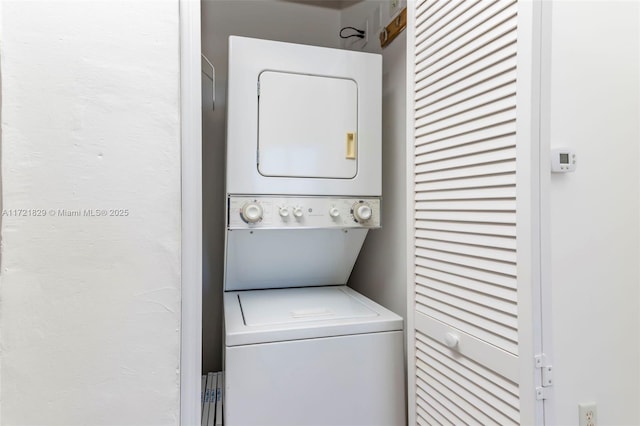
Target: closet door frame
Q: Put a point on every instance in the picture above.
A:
(191, 212)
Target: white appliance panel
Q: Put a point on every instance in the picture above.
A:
(307, 126)
(291, 306)
(339, 381)
(248, 59)
(269, 324)
(303, 212)
(267, 258)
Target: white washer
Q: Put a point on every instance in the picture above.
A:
(312, 356)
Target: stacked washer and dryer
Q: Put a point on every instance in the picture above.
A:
(303, 183)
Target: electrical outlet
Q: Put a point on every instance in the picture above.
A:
(588, 414)
(394, 6)
(357, 43)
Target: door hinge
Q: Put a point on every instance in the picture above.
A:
(546, 375)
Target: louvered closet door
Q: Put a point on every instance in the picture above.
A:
(465, 337)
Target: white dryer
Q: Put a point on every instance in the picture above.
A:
(303, 189)
(303, 120)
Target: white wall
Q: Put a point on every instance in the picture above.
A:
(90, 306)
(266, 19)
(595, 211)
(380, 272)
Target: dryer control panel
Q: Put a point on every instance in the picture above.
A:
(264, 212)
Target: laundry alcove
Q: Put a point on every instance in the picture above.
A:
(318, 24)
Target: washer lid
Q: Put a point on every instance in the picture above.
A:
(294, 305)
(281, 315)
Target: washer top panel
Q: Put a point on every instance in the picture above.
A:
(280, 315)
(290, 306)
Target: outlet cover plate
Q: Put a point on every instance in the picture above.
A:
(588, 414)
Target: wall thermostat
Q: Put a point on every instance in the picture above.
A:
(563, 160)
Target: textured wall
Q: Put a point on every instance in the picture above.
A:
(381, 270)
(594, 109)
(90, 306)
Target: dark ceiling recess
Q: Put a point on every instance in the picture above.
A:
(331, 4)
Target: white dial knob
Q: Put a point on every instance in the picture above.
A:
(297, 212)
(284, 212)
(334, 212)
(251, 212)
(362, 212)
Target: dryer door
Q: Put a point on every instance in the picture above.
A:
(307, 126)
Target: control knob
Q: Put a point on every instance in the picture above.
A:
(284, 212)
(334, 212)
(297, 212)
(251, 212)
(362, 212)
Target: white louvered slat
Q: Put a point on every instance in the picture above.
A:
(455, 394)
(471, 309)
(423, 5)
(467, 249)
(483, 217)
(499, 39)
(426, 144)
(471, 148)
(488, 119)
(499, 335)
(497, 279)
(425, 417)
(491, 205)
(503, 391)
(496, 155)
(426, 39)
(500, 403)
(488, 265)
(469, 177)
(504, 366)
(466, 294)
(508, 389)
(505, 243)
(487, 68)
(450, 97)
(427, 409)
(497, 411)
(426, 10)
(490, 229)
(455, 404)
(456, 12)
(437, 18)
(489, 106)
(460, 33)
(491, 48)
(429, 276)
(440, 413)
(464, 104)
(484, 193)
(465, 211)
